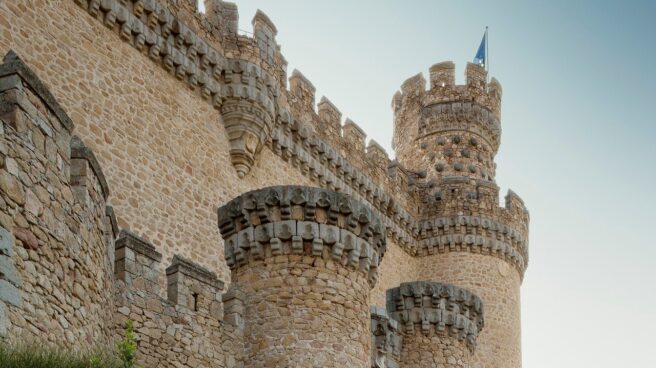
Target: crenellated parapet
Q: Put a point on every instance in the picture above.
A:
(442, 132)
(456, 128)
(194, 287)
(243, 87)
(186, 319)
(433, 307)
(303, 254)
(443, 88)
(295, 143)
(314, 222)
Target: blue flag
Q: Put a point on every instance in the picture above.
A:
(481, 56)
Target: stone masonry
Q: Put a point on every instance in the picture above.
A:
(141, 132)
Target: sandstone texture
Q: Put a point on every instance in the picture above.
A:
(136, 133)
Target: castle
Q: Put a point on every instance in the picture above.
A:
(158, 165)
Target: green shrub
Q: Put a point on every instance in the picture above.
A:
(127, 348)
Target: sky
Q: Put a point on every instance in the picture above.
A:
(578, 142)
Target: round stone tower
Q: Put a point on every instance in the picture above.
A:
(439, 323)
(452, 133)
(305, 260)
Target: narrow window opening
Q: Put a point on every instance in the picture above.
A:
(194, 297)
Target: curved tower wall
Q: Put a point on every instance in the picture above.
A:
(451, 133)
(440, 323)
(305, 260)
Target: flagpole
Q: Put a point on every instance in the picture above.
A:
(487, 55)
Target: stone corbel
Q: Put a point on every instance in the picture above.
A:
(248, 126)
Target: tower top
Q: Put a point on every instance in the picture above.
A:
(449, 129)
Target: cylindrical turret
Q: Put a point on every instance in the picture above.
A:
(449, 130)
(452, 132)
(305, 259)
(440, 323)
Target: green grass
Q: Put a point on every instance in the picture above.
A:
(41, 356)
(38, 356)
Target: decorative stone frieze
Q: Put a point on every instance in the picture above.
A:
(297, 220)
(386, 340)
(477, 234)
(448, 317)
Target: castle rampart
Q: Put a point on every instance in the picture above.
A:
(53, 262)
(184, 113)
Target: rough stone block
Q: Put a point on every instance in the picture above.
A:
(6, 242)
(10, 293)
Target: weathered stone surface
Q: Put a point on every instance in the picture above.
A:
(10, 293)
(386, 340)
(27, 237)
(304, 289)
(6, 242)
(4, 320)
(440, 323)
(294, 212)
(184, 114)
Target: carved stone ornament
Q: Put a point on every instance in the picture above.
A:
(248, 127)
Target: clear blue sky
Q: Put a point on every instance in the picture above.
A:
(579, 86)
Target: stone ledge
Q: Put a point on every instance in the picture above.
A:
(195, 271)
(12, 64)
(129, 240)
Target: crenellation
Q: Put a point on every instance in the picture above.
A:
(137, 263)
(82, 160)
(475, 79)
(194, 287)
(331, 122)
(295, 254)
(302, 93)
(223, 16)
(353, 143)
(414, 86)
(439, 322)
(443, 75)
(377, 162)
(264, 32)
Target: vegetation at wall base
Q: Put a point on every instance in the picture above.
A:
(33, 355)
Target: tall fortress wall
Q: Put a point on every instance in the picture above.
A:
(137, 133)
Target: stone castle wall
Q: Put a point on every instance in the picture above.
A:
(183, 114)
(54, 265)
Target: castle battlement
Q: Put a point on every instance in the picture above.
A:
(186, 113)
(428, 310)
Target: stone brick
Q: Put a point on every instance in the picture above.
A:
(180, 127)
